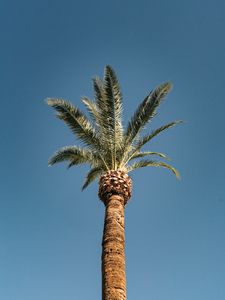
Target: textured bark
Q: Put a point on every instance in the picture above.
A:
(113, 258)
(115, 182)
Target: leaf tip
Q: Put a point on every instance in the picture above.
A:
(48, 101)
(83, 187)
(177, 174)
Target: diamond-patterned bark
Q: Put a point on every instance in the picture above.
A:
(115, 182)
(113, 257)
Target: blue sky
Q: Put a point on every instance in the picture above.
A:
(50, 231)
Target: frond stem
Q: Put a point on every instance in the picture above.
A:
(104, 162)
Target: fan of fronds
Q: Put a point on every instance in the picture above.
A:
(106, 144)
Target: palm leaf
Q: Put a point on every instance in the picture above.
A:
(98, 121)
(146, 139)
(77, 122)
(114, 97)
(146, 111)
(101, 102)
(74, 155)
(152, 163)
(114, 106)
(147, 153)
(92, 109)
(92, 175)
(100, 94)
(154, 133)
(103, 114)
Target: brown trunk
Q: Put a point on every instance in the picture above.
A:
(113, 258)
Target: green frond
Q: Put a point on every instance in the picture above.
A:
(154, 133)
(92, 109)
(113, 91)
(147, 153)
(114, 97)
(99, 93)
(101, 102)
(103, 111)
(144, 113)
(77, 122)
(135, 124)
(142, 141)
(75, 155)
(92, 175)
(146, 110)
(114, 106)
(152, 163)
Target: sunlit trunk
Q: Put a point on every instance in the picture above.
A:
(113, 257)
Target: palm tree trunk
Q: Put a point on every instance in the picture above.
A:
(113, 258)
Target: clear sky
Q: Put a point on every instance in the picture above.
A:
(50, 231)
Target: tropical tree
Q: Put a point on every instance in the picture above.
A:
(112, 151)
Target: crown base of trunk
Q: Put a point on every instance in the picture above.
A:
(115, 182)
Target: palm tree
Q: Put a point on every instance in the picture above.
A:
(112, 151)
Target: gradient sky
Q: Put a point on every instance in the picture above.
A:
(50, 231)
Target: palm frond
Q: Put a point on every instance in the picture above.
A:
(115, 86)
(154, 133)
(114, 97)
(99, 94)
(75, 155)
(92, 109)
(147, 153)
(101, 103)
(77, 122)
(142, 141)
(136, 121)
(92, 175)
(114, 105)
(146, 111)
(152, 163)
(103, 112)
